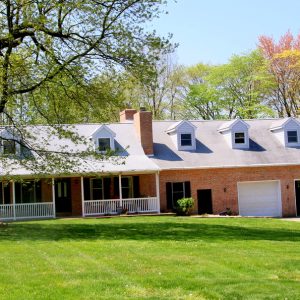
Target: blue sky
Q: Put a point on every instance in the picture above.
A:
(211, 31)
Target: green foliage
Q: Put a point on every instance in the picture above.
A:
(236, 89)
(58, 60)
(184, 206)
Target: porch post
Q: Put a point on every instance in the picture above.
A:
(14, 199)
(120, 189)
(53, 198)
(157, 190)
(82, 196)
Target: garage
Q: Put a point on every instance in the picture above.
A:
(260, 198)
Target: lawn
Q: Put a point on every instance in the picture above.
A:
(150, 258)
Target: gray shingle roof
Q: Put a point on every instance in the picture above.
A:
(213, 152)
(132, 155)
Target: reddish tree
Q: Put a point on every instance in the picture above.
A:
(284, 64)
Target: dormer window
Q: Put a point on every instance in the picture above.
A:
(292, 136)
(9, 147)
(183, 135)
(239, 138)
(287, 131)
(104, 139)
(236, 133)
(104, 144)
(186, 139)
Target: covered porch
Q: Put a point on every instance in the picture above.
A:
(79, 196)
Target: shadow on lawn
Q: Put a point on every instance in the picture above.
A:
(176, 231)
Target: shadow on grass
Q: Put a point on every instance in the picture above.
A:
(147, 231)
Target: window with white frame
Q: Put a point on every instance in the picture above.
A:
(239, 137)
(127, 187)
(104, 144)
(28, 191)
(292, 136)
(97, 191)
(186, 139)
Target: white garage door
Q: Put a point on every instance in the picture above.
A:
(259, 198)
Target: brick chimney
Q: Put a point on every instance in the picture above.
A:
(143, 125)
(127, 115)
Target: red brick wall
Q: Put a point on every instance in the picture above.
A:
(76, 196)
(218, 179)
(46, 186)
(147, 185)
(143, 127)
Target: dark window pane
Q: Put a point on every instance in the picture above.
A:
(126, 187)
(97, 194)
(9, 147)
(186, 139)
(28, 192)
(239, 138)
(125, 182)
(177, 187)
(292, 136)
(97, 183)
(97, 190)
(104, 144)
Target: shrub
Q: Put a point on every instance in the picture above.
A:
(184, 206)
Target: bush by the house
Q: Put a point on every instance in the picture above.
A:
(184, 206)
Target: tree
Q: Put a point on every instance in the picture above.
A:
(202, 100)
(156, 89)
(48, 49)
(235, 89)
(283, 64)
(243, 84)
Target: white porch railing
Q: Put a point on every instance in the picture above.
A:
(26, 211)
(6, 212)
(132, 205)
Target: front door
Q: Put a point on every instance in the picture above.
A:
(63, 203)
(297, 192)
(204, 202)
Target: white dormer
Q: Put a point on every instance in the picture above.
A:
(104, 139)
(183, 135)
(287, 131)
(236, 134)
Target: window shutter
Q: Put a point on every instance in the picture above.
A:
(18, 192)
(116, 187)
(136, 186)
(6, 191)
(187, 189)
(87, 193)
(169, 195)
(106, 186)
(38, 191)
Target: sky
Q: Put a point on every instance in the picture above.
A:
(211, 31)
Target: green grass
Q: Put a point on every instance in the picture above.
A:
(150, 258)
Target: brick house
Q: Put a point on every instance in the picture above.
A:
(251, 167)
